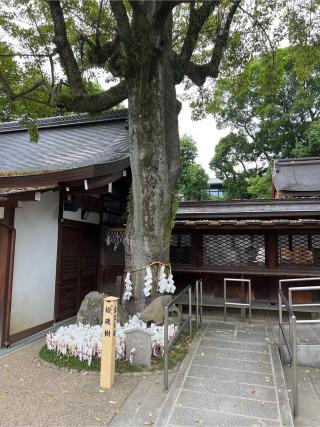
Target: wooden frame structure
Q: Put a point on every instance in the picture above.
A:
(282, 255)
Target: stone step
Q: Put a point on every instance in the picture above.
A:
(232, 376)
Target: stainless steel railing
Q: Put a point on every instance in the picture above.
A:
(199, 302)
(168, 344)
(187, 322)
(236, 304)
(291, 343)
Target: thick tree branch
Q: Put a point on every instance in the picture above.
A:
(99, 55)
(197, 19)
(64, 49)
(94, 103)
(199, 73)
(165, 7)
(98, 31)
(123, 25)
(222, 40)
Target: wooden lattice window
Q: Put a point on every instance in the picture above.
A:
(299, 249)
(70, 259)
(89, 257)
(114, 246)
(180, 248)
(233, 250)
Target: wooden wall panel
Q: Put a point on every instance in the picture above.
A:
(77, 266)
(7, 240)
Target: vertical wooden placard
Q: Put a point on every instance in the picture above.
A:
(108, 355)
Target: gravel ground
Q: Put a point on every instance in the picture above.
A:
(36, 393)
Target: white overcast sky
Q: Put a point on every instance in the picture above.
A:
(204, 133)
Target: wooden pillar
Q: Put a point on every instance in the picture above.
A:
(271, 250)
(272, 262)
(197, 249)
(7, 244)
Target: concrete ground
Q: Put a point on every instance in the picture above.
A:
(35, 393)
(144, 404)
(232, 377)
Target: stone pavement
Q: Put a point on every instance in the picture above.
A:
(36, 393)
(231, 377)
(144, 403)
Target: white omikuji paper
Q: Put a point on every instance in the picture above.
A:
(85, 341)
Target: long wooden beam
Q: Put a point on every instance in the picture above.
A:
(25, 196)
(8, 203)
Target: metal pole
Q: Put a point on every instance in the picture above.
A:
(190, 312)
(197, 304)
(280, 324)
(201, 314)
(243, 311)
(291, 338)
(249, 301)
(295, 367)
(225, 298)
(290, 297)
(166, 350)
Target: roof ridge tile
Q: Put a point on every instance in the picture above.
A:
(72, 119)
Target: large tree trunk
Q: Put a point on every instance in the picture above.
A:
(154, 155)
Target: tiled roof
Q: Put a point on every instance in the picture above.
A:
(236, 209)
(297, 175)
(65, 143)
(251, 222)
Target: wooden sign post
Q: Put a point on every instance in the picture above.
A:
(108, 355)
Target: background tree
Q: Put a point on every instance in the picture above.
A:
(193, 181)
(143, 49)
(273, 109)
(260, 186)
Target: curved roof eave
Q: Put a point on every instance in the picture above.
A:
(53, 178)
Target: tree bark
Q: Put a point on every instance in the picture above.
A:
(154, 155)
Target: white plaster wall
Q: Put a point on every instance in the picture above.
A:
(34, 274)
(93, 217)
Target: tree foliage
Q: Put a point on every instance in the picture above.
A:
(273, 109)
(260, 187)
(193, 181)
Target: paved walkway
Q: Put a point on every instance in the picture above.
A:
(232, 377)
(35, 393)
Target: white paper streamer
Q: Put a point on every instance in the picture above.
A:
(148, 282)
(170, 284)
(162, 280)
(85, 341)
(128, 292)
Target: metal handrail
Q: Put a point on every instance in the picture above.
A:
(236, 304)
(291, 345)
(168, 344)
(199, 304)
(303, 288)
